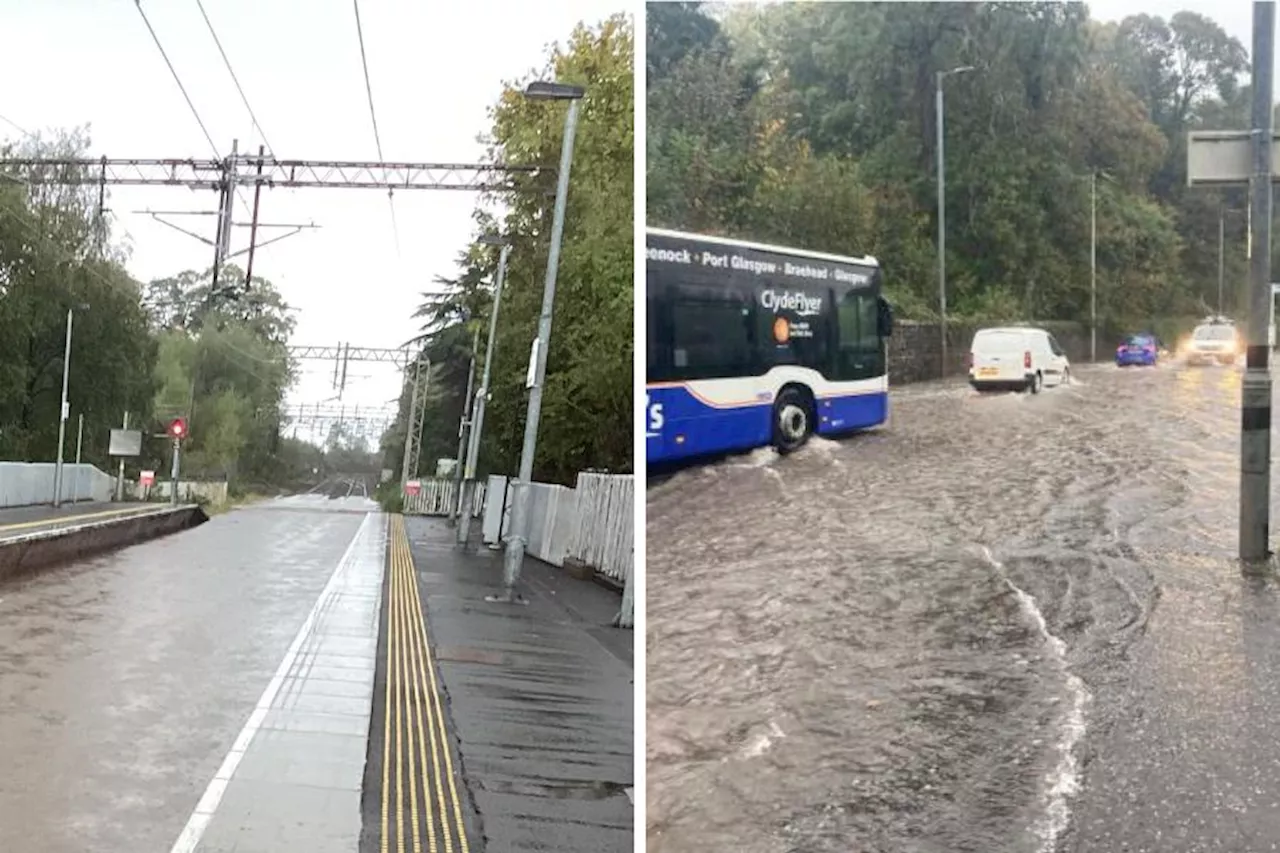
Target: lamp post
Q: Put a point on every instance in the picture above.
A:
(514, 556)
(482, 393)
(942, 207)
(65, 409)
(1093, 266)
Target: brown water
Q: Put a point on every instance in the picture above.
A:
(893, 642)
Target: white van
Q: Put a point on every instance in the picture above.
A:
(1016, 358)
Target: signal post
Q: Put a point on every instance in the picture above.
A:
(177, 431)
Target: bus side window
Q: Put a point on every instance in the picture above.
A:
(859, 354)
(710, 336)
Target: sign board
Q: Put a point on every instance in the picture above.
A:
(1217, 158)
(147, 479)
(386, 475)
(125, 442)
(445, 467)
(531, 377)
(412, 487)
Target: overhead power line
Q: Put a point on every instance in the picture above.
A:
(243, 97)
(15, 126)
(177, 79)
(373, 116)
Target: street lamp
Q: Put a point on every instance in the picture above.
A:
(65, 409)
(482, 393)
(514, 557)
(942, 208)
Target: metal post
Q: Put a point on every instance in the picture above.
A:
(173, 472)
(482, 398)
(62, 413)
(1093, 267)
(75, 495)
(514, 556)
(464, 424)
(405, 474)
(942, 223)
(1221, 254)
(253, 228)
(120, 476)
(1255, 413)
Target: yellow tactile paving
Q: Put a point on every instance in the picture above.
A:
(416, 737)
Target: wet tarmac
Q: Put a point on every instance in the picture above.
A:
(539, 697)
(1002, 623)
(125, 679)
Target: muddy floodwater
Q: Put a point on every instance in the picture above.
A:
(922, 638)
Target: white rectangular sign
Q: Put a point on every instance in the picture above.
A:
(531, 377)
(1222, 158)
(125, 442)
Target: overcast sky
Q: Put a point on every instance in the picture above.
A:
(434, 67)
(1234, 16)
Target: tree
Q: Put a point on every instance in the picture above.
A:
(587, 408)
(814, 124)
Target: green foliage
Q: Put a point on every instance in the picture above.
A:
(815, 125)
(586, 416)
(176, 347)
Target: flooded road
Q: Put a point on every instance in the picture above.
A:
(950, 634)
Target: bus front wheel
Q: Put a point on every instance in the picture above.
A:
(792, 420)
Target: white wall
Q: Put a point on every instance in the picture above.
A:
(31, 483)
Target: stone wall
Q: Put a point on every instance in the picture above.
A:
(915, 350)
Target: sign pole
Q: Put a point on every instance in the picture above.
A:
(120, 477)
(1255, 413)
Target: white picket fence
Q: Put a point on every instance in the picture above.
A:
(437, 496)
(594, 523)
(604, 536)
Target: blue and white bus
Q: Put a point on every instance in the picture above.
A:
(750, 345)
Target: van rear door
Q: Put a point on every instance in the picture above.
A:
(998, 356)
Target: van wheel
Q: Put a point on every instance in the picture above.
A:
(792, 420)
(1035, 383)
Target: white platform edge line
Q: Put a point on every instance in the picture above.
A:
(191, 834)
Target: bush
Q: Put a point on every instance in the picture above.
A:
(389, 497)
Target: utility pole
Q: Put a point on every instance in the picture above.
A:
(410, 457)
(1222, 233)
(63, 412)
(464, 424)
(942, 208)
(1255, 414)
(1093, 266)
(516, 543)
(482, 394)
(253, 227)
(120, 476)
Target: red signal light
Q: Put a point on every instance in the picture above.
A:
(178, 428)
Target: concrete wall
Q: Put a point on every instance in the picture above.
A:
(215, 492)
(31, 483)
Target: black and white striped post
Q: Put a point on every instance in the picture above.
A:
(1255, 414)
(1234, 158)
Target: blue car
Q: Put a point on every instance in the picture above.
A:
(1138, 349)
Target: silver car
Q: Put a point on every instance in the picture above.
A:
(1212, 342)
